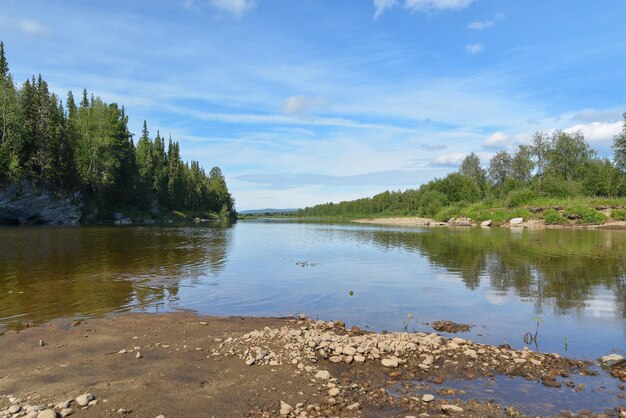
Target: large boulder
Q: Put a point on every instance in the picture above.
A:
(27, 204)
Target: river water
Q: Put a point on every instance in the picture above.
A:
(571, 284)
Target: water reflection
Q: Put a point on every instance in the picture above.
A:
(46, 273)
(561, 269)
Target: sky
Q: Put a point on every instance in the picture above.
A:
(310, 101)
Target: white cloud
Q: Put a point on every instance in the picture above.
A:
(421, 5)
(452, 159)
(481, 25)
(382, 5)
(500, 140)
(434, 5)
(32, 27)
(473, 49)
(235, 7)
(304, 104)
(597, 131)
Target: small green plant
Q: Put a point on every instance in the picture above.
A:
(619, 214)
(585, 215)
(407, 321)
(552, 217)
(351, 293)
(529, 337)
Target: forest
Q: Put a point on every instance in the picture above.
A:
(556, 168)
(87, 147)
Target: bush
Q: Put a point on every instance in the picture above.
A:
(552, 217)
(556, 187)
(457, 188)
(584, 215)
(431, 202)
(520, 197)
(446, 213)
(619, 214)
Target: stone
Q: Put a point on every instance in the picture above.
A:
(334, 392)
(250, 361)
(323, 374)
(428, 398)
(64, 405)
(353, 406)
(611, 360)
(160, 416)
(486, 223)
(285, 408)
(48, 413)
(451, 409)
(84, 399)
(350, 351)
(66, 412)
(138, 355)
(14, 409)
(516, 221)
(359, 359)
(390, 362)
(122, 351)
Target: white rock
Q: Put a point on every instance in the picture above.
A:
(428, 398)
(486, 223)
(250, 361)
(66, 412)
(451, 409)
(48, 413)
(390, 362)
(84, 399)
(14, 409)
(351, 351)
(334, 392)
(611, 359)
(353, 406)
(323, 374)
(516, 221)
(359, 359)
(285, 408)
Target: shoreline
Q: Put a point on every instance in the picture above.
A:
(529, 224)
(183, 364)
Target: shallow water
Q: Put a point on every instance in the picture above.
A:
(500, 280)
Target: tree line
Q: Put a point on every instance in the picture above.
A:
(554, 165)
(88, 147)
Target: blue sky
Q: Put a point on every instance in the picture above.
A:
(309, 101)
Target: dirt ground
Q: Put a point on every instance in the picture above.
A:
(183, 365)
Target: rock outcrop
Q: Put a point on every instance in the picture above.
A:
(27, 204)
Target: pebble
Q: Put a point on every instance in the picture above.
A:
(334, 392)
(353, 406)
(66, 412)
(160, 416)
(285, 408)
(451, 409)
(350, 351)
(390, 362)
(14, 409)
(359, 359)
(428, 398)
(48, 413)
(323, 374)
(250, 361)
(122, 351)
(84, 399)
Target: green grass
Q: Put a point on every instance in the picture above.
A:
(552, 217)
(619, 214)
(585, 215)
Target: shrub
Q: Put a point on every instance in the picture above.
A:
(457, 188)
(584, 215)
(520, 197)
(552, 217)
(619, 214)
(556, 187)
(446, 213)
(431, 202)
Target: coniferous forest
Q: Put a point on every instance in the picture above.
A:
(84, 144)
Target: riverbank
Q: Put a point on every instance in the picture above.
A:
(180, 364)
(514, 222)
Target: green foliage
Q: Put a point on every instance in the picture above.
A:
(585, 215)
(553, 217)
(619, 149)
(431, 202)
(90, 148)
(619, 214)
(520, 197)
(557, 187)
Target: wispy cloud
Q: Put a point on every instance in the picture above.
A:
(474, 49)
(432, 147)
(235, 7)
(485, 24)
(425, 6)
(382, 5)
(305, 105)
(26, 26)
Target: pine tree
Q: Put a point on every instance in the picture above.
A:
(619, 149)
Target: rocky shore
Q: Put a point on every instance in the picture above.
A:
(172, 365)
(466, 222)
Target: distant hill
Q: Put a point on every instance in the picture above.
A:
(264, 211)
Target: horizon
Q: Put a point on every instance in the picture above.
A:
(307, 104)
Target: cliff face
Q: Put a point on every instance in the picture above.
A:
(27, 204)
